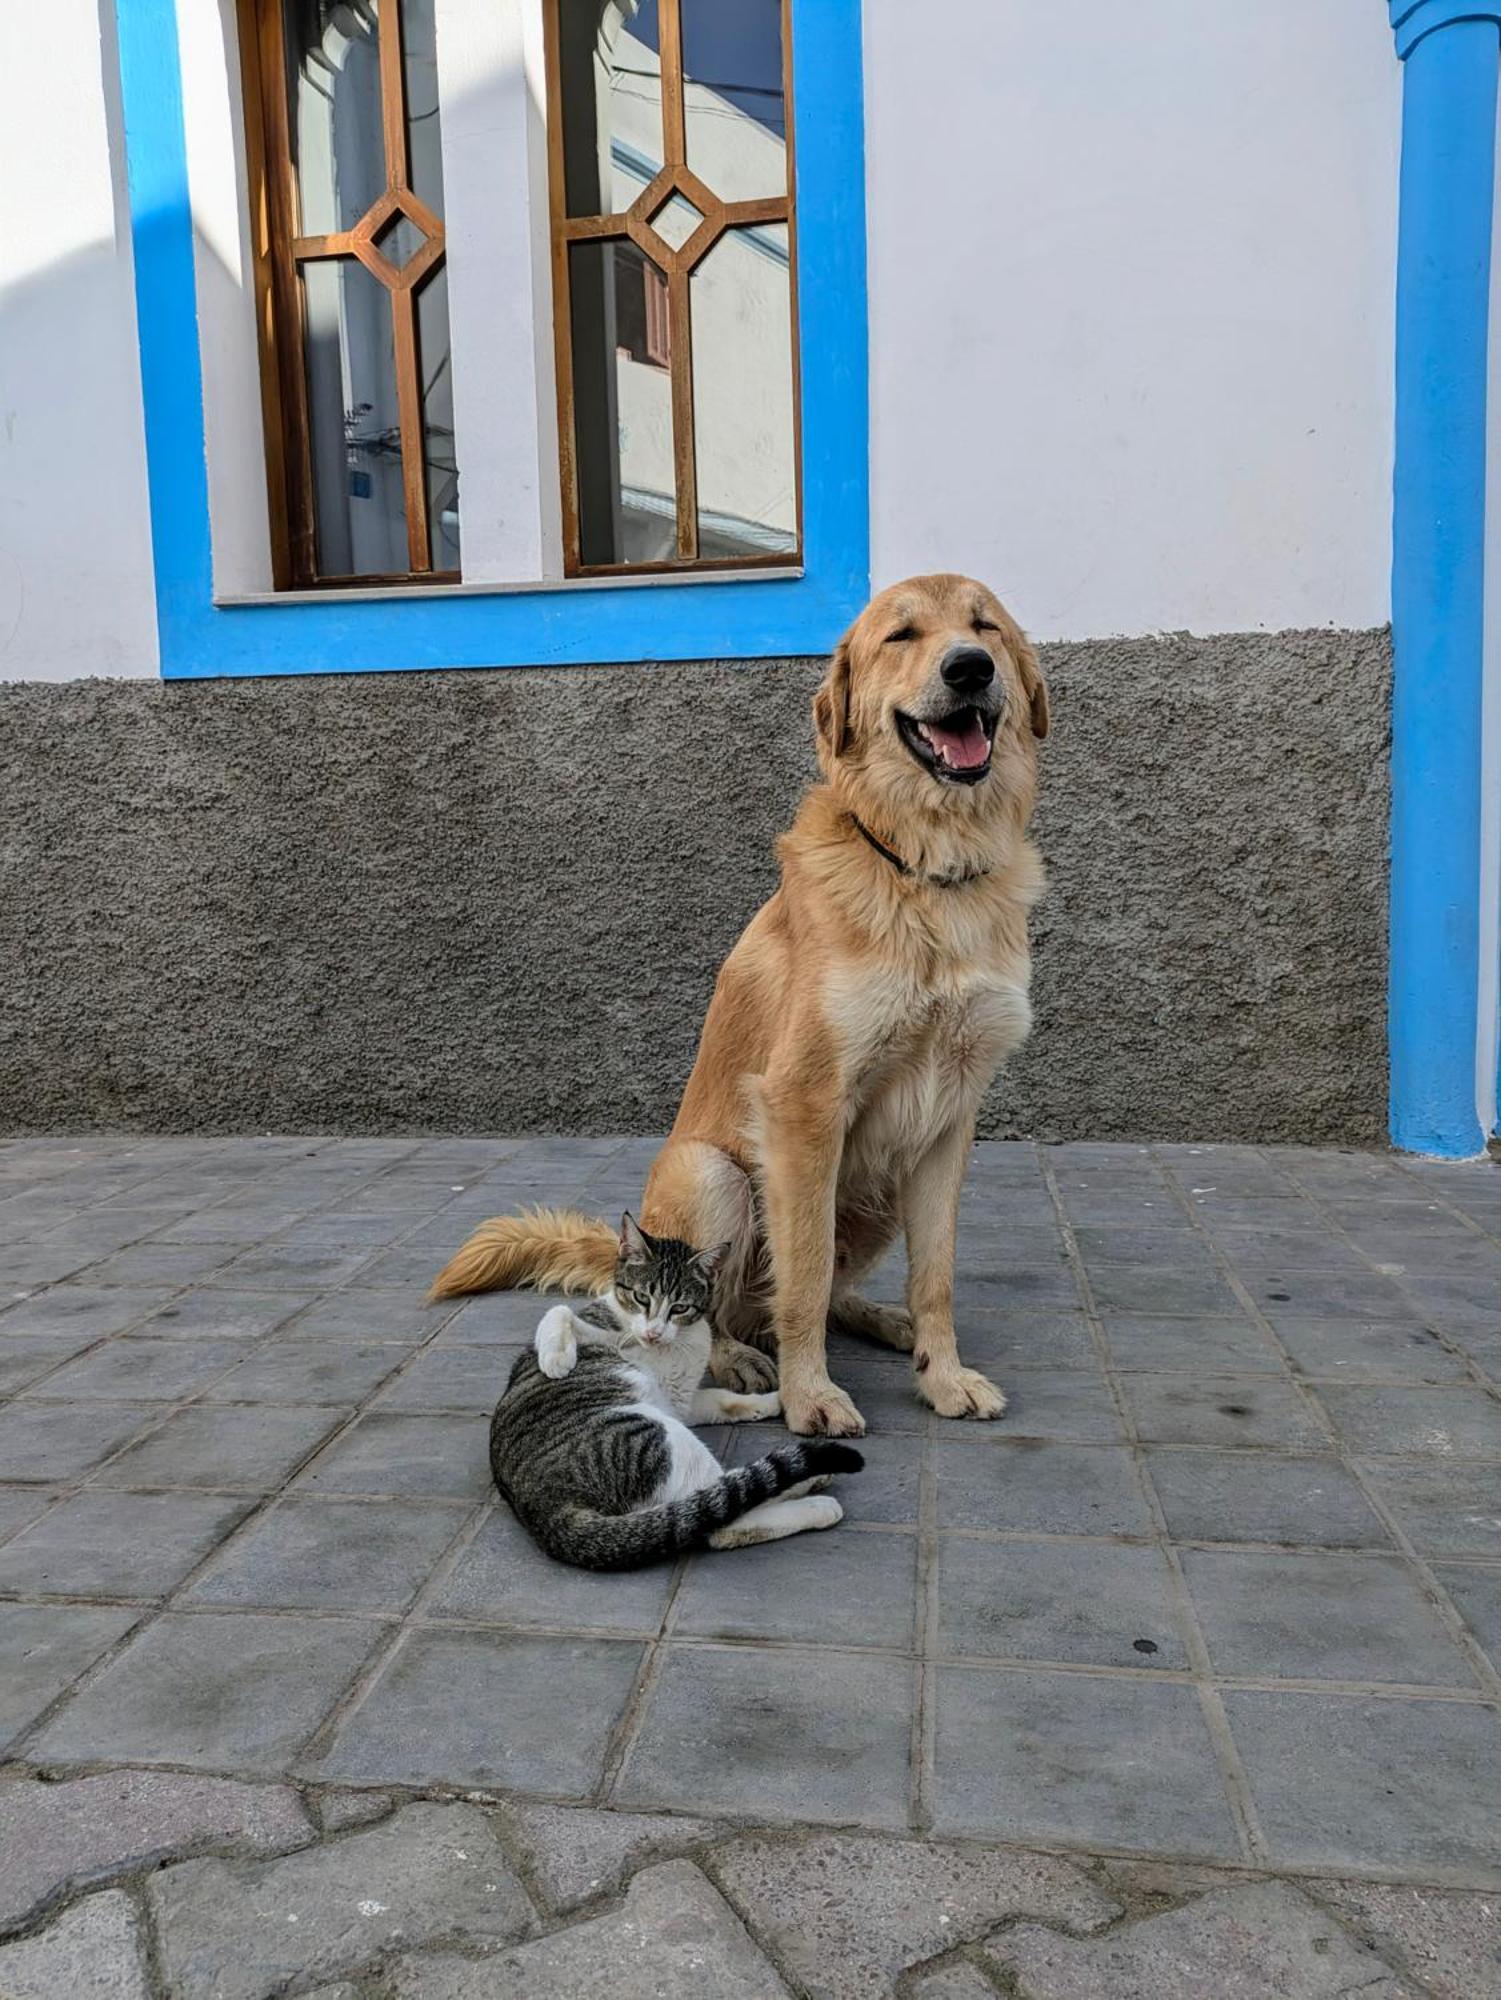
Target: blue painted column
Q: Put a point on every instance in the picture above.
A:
(1452, 51)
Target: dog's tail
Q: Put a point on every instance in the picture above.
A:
(592, 1540)
(552, 1249)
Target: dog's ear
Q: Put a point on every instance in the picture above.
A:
(831, 705)
(1036, 687)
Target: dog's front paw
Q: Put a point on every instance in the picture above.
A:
(961, 1392)
(819, 1409)
(733, 1365)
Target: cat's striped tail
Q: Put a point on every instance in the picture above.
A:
(552, 1249)
(627, 1541)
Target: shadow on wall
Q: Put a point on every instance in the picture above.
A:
(497, 901)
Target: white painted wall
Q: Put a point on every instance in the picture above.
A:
(76, 594)
(1131, 312)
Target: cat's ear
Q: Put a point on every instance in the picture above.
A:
(710, 1261)
(633, 1241)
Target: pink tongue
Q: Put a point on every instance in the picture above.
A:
(962, 749)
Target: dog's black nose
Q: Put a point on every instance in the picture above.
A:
(967, 669)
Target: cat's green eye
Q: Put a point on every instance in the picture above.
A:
(685, 1312)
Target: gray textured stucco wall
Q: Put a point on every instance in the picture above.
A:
(496, 901)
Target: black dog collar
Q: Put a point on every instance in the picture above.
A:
(905, 868)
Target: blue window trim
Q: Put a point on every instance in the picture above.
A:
(746, 618)
(1451, 49)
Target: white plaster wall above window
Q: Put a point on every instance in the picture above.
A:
(1131, 307)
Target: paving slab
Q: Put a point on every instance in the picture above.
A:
(238, 1930)
(439, 1458)
(503, 1578)
(331, 1555)
(777, 1734)
(1235, 1410)
(43, 1648)
(62, 1440)
(1449, 1941)
(847, 1589)
(1320, 1617)
(225, 1446)
(1237, 1944)
(94, 1951)
(1042, 1756)
(846, 1914)
(1087, 1603)
(513, 1710)
(1225, 1496)
(1032, 1486)
(576, 1856)
(1351, 1782)
(60, 1836)
(1446, 1507)
(675, 1939)
(116, 1545)
(222, 1691)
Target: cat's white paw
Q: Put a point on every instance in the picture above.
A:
(823, 1511)
(556, 1348)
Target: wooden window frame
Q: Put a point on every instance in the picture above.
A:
(279, 251)
(676, 176)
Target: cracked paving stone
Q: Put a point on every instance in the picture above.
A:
(1448, 1939)
(846, 1913)
(340, 1809)
(92, 1952)
(54, 1835)
(236, 1930)
(1237, 1944)
(575, 1854)
(675, 1939)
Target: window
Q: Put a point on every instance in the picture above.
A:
(674, 282)
(347, 192)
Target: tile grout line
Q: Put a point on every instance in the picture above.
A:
(626, 1732)
(1233, 1779)
(922, 1749)
(1428, 1584)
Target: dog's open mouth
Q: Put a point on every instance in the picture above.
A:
(955, 748)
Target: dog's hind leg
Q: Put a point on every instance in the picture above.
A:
(699, 1194)
(862, 1240)
(867, 1319)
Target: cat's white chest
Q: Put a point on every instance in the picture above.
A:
(671, 1375)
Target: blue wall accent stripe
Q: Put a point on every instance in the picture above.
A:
(1438, 580)
(750, 618)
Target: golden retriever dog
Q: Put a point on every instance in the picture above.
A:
(856, 1024)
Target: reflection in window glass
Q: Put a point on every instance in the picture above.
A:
(733, 105)
(622, 414)
(333, 81)
(419, 61)
(612, 103)
(741, 299)
(354, 424)
(436, 377)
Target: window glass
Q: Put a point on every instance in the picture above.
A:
(612, 102)
(626, 493)
(742, 395)
(733, 106)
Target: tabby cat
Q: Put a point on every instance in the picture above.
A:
(590, 1442)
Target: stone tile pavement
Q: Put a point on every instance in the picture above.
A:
(1183, 1678)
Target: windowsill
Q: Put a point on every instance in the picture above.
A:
(387, 593)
